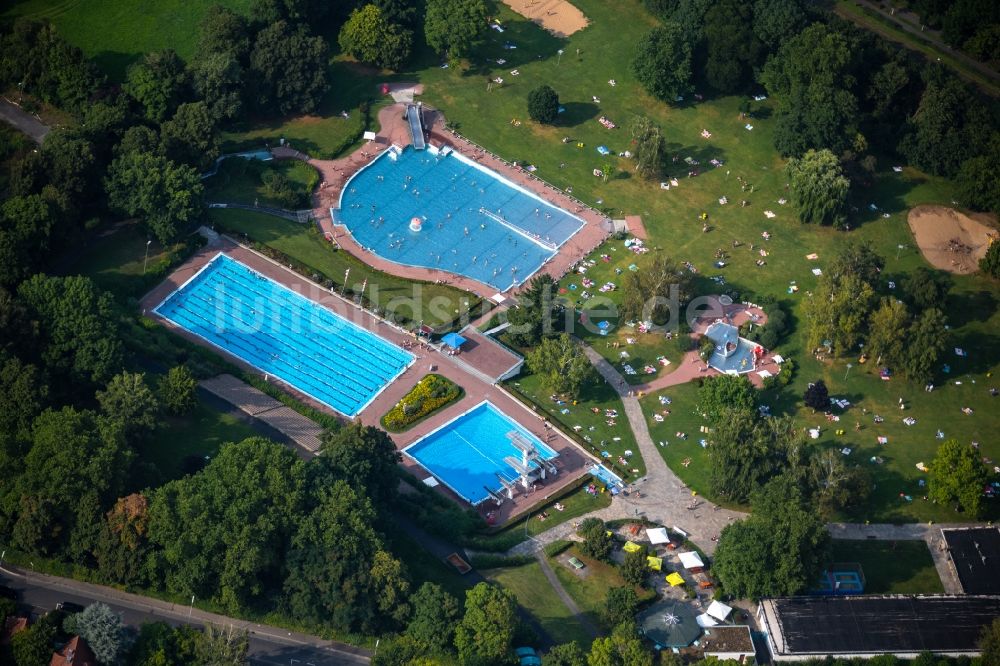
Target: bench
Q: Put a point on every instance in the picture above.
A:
(576, 564)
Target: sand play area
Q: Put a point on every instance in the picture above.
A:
(950, 240)
(557, 16)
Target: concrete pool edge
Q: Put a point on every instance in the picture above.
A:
(314, 303)
(335, 220)
(484, 402)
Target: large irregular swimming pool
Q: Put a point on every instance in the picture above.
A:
(471, 220)
(467, 453)
(284, 334)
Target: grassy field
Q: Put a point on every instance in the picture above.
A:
(199, 433)
(592, 427)
(239, 181)
(891, 567)
(118, 262)
(437, 303)
(883, 27)
(589, 591)
(672, 219)
(535, 595)
(327, 133)
(116, 32)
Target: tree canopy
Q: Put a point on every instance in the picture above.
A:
(957, 477)
(370, 37)
(656, 292)
(166, 195)
(486, 633)
(662, 62)
(289, 68)
(747, 451)
(454, 27)
(778, 550)
(158, 83)
(543, 104)
(561, 364)
(717, 394)
(819, 187)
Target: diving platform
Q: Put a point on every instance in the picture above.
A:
(415, 120)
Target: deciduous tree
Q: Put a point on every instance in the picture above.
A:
(176, 390)
(566, 654)
(371, 38)
(218, 79)
(486, 633)
(596, 540)
(819, 187)
(732, 47)
(621, 604)
(723, 392)
(634, 568)
(748, 450)
(926, 339)
(102, 628)
(454, 27)
(650, 147)
(957, 477)
(561, 364)
(366, 458)
(129, 402)
(662, 62)
(190, 137)
(656, 292)
(166, 195)
(435, 614)
(289, 67)
(543, 104)
(778, 550)
(817, 397)
(990, 263)
(159, 83)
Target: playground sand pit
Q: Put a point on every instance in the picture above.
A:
(557, 16)
(950, 240)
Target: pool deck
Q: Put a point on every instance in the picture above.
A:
(572, 461)
(395, 131)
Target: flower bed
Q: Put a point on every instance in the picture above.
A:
(429, 395)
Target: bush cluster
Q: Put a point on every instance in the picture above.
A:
(431, 393)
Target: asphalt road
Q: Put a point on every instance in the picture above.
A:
(269, 646)
(12, 114)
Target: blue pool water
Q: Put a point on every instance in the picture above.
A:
(468, 452)
(284, 334)
(474, 222)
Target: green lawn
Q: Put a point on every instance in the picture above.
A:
(117, 260)
(326, 133)
(239, 181)
(589, 426)
(672, 219)
(535, 595)
(589, 591)
(199, 433)
(432, 303)
(116, 32)
(891, 567)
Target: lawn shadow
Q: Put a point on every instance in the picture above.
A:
(675, 165)
(575, 113)
(531, 43)
(967, 307)
(982, 353)
(888, 194)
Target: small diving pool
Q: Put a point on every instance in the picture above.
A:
(467, 453)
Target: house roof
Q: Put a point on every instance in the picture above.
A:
(728, 639)
(75, 653)
(12, 625)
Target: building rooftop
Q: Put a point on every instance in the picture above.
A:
(728, 639)
(976, 554)
(901, 625)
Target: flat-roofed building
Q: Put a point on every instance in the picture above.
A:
(863, 626)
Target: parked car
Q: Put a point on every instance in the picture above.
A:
(69, 607)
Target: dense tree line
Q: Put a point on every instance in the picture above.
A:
(837, 89)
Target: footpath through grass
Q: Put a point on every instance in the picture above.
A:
(598, 54)
(434, 304)
(891, 567)
(536, 596)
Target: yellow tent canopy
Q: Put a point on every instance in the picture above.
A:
(675, 579)
(654, 563)
(631, 547)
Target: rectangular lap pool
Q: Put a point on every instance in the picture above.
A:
(442, 211)
(284, 334)
(467, 453)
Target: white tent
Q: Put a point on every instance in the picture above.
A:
(691, 560)
(719, 611)
(705, 620)
(658, 535)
